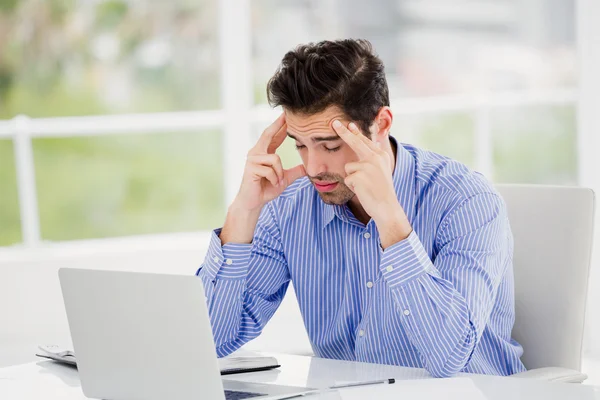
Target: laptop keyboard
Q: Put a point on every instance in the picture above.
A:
(236, 395)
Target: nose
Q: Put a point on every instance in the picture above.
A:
(315, 164)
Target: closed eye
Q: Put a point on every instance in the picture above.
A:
(329, 150)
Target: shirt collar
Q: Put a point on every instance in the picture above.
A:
(404, 184)
(329, 211)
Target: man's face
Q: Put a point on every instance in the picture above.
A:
(323, 152)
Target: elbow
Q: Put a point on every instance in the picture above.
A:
(223, 351)
(455, 361)
(445, 371)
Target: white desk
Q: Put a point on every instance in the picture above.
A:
(50, 381)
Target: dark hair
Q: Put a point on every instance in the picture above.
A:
(343, 73)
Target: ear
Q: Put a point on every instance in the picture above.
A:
(382, 124)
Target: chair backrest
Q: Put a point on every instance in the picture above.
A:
(553, 231)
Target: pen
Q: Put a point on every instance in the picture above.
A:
(345, 385)
(341, 386)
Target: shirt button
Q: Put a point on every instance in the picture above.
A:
(216, 259)
(369, 284)
(407, 312)
(229, 261)
(389, 268)
(367, 235)
(361, 333)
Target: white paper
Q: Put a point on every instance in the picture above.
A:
(422, 389)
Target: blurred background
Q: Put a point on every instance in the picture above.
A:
(484, 82)
(127, 121)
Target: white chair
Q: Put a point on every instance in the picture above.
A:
(553, 229)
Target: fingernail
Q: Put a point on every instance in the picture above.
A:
(337, 124)
(281, 182)
(352, 126)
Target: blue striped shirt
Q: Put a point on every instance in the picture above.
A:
(443, 299)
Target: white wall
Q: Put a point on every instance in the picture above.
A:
(588, 121)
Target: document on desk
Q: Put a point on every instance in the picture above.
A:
(447, 389)
(228, 365)
(235, 365)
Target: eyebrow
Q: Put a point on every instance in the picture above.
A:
(318, 139)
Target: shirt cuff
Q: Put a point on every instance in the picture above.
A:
(229, 261)
(405, 261)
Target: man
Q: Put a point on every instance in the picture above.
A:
(397, 255)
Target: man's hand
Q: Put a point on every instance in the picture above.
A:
(264, 179)
(370, 179)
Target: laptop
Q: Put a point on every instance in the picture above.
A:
(147, 336)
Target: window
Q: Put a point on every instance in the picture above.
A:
(432, 47)
(65, 58)
(535, 144)
(452, 134)
(127, 184)
(483, 82)
(10, 233)
(81, 58)
(470, 60)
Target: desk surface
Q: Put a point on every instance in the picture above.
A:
(51, 381)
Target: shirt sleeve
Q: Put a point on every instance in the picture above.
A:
(446, 304)
(244, 283)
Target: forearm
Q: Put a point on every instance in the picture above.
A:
(244, 284)
(239, 225)
(225, 312)
(223, 274)
(393, 227)
(435, 315)
(437, 320)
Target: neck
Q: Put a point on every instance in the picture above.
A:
(354, 204)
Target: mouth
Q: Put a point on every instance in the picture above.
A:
(325, 187)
